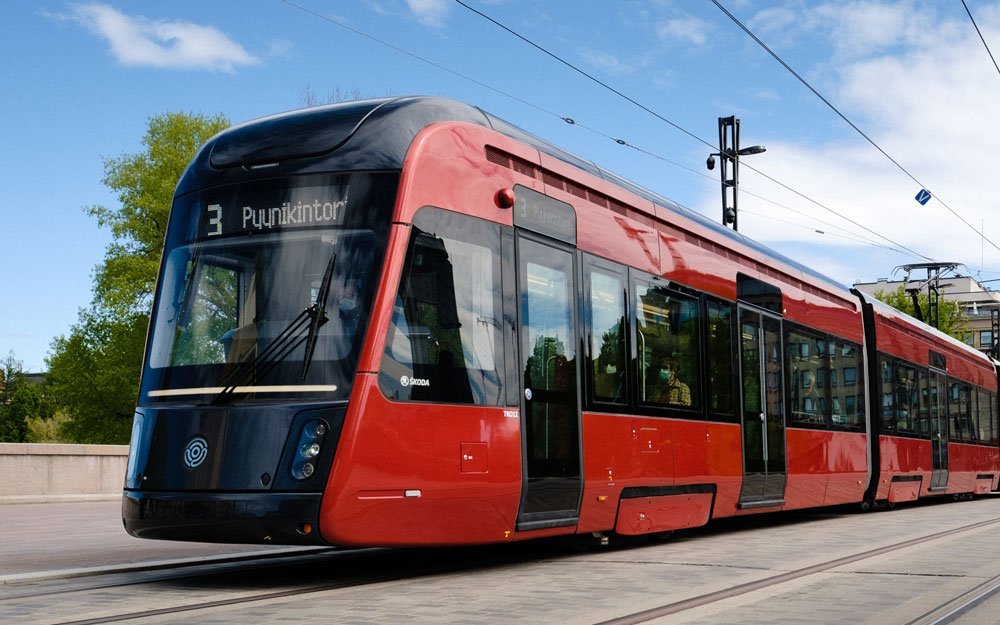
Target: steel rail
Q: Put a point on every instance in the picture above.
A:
(742, 589)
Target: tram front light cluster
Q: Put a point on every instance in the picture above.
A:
(309, 445)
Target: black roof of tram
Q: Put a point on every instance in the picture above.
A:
(375, 135)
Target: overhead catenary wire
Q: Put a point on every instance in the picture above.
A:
(781, 61)
(425, 60)
(899, 248)
(981, 38)
(820, 232)
(580, 71)
(680, 128)
(850, 235)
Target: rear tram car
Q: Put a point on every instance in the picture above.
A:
(407, 322)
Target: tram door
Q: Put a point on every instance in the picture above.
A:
(938, 397)
(761, 373)
(550, 417)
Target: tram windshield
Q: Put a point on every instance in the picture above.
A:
(265, 289)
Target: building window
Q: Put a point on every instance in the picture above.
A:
(985, 338)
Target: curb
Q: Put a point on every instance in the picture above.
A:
(21, 499)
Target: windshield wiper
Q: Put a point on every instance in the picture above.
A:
(317, 314)
(287, 341)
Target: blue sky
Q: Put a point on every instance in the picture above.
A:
(81, 79)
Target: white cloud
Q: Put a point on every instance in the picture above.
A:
(861, 28)
(780, 26)
(919, 82)
(429, 12)
(607, 62)
(140, 42)
(684, 29)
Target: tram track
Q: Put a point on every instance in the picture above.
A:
(205, 605)
(367, 566)
(991, 587)
(341, 570)
(349, 581)
(952, 610)
(109, 577)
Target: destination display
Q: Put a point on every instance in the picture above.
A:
(544, 215)
(300, 207)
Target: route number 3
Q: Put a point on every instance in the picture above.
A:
(214, 220)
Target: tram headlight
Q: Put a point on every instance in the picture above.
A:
(309, 447)
(315, 429)
(303, 470)
(131, 470)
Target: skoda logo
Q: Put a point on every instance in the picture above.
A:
(195, 452)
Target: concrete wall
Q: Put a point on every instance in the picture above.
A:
(31, 471)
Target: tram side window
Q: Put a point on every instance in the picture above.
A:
(667, 345)
(908, 397)
(445, 340)
(928, 402)
(847, 406)
(888, 380)
(967, 404)
(983, 416)
(720, 359)
(607, 337)
(960, 412)
(807, 372)
(994, 418)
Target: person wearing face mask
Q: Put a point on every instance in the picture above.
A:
(668, 388)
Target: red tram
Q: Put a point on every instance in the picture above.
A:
(407, 322)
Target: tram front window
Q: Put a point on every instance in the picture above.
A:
(264, 304)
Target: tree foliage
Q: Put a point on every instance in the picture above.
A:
(94, 372)
(144, 183)
(950, 318)
(20, 401)
(94, 375)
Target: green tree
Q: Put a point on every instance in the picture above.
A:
(94, 376)
(144, 183)
(94, 372)
(950, 319)
(19, 401)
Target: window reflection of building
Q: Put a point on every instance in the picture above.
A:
(445, 337)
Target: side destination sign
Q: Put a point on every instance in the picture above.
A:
(544, 215)
(302, 207)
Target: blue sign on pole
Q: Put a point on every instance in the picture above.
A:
(923, 196)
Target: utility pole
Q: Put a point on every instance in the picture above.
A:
(729, 166)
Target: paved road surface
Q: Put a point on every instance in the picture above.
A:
(815, 567)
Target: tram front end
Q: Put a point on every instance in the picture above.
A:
(266, 284)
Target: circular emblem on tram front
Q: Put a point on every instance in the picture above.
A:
(195, 452)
